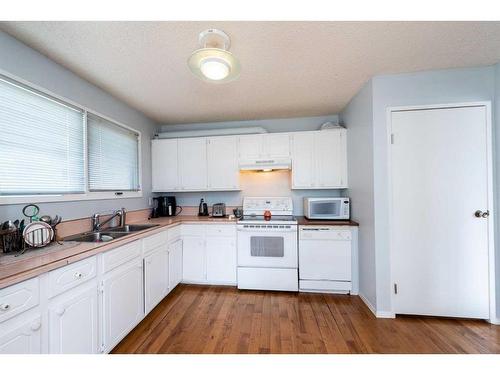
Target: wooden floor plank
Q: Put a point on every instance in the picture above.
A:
(213, 319)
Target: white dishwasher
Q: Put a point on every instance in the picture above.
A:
(325, 259)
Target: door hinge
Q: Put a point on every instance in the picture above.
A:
(101, 349)
(392, 139)
(395, 288)
(100, 287)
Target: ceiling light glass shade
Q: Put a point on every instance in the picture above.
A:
(214, 65)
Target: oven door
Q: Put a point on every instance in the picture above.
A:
(264, 246)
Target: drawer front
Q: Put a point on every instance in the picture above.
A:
(18, 298)
(154, 241)
(72, 275)
(221, 230)
(114, 258)
(193, 230)
(174, 233)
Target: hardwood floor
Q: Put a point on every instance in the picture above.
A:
(209, 319)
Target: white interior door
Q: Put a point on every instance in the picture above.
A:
(439, 179)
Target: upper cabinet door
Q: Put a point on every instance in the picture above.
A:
(250, 146)
(222, 155)
(303, 171)
(329, 148)
(277, 145)
(165, 175)
(193, 163)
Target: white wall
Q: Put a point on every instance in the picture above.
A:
(22, 61)
(358, 118)
(276, 183)
(432, 87)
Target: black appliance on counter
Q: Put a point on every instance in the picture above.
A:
(202, 208)
(165, 206)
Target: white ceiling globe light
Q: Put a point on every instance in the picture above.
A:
(213, 62)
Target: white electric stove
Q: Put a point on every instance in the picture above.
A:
(267, 246)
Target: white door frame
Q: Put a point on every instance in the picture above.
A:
(491, 220)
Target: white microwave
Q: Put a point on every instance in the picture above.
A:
(327, 208)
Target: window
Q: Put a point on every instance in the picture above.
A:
(58, 151)
(41, 143)
(113, 156)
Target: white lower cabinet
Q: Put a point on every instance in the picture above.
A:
(156, 277)
(174, 264)
(89, 306)
(21, 335)
(209, 254)
(122, 302)
(193, 259)
(73, 321)
(221, 260)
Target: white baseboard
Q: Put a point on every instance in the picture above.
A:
(385, 315)
(495, 321)
(378, 314)
(368, 304)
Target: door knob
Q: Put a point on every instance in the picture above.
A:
(480, 213)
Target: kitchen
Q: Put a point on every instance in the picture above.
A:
(140, 224)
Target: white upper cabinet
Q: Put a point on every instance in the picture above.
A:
(193, 163)
(264, 146)
(250, 146)
(303, 161)
(319, 160)
(165, 172)
(277, 145)
(222, 155)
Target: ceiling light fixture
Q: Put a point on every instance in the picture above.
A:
(213, 62)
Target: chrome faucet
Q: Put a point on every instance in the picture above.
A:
(96, 219)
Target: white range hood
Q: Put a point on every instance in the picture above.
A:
(265, 164)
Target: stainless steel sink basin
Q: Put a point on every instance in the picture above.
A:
(131, 228)
(96, 237)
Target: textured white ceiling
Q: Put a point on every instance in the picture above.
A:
(289, 69)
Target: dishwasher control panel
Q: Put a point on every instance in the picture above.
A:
(324, 233)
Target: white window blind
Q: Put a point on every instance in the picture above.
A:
(41, 143)
(113, 156)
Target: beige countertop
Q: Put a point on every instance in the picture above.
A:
(35, 262)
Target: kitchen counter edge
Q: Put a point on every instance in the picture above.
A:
(85, 250)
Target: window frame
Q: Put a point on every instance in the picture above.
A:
(87, 195)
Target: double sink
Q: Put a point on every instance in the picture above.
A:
(110, 234)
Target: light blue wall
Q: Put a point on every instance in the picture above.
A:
(358, 118)
(22, 61)
(275, 183)
(431, 87)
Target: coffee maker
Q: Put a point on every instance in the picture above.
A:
(165, 206)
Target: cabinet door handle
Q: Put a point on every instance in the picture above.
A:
(5, 307)
(35, 326)
(60, 311)
(78, 275)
